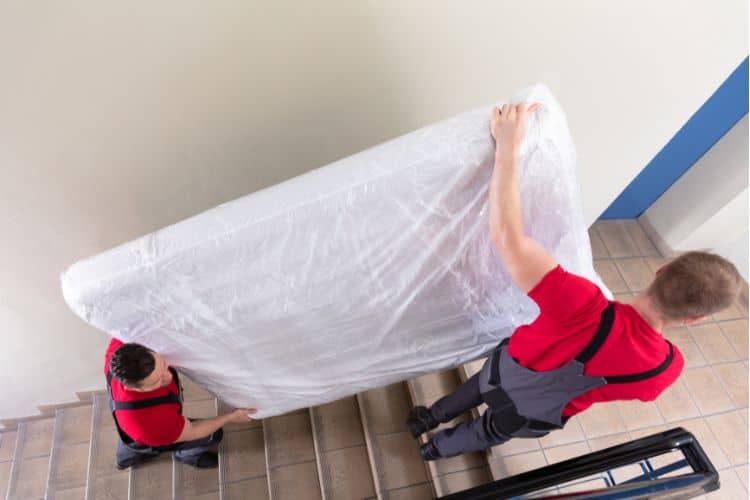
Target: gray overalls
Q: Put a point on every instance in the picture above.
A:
(522, 402)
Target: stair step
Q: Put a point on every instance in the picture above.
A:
(191, 482)
(243, 456)
(342, 451)
(397, 467)
(152, 479)
(104, 480)
(449, 475)
(69, 460)
(7, 447)
(28, 477)
(290, 457)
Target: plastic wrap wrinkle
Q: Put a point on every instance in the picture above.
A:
(371, 270)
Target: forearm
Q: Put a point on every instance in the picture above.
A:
(506, 226)
(199, 429)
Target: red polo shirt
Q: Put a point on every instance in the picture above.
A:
(570, 309)
(154, 426)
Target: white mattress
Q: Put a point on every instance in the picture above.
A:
(373, 269)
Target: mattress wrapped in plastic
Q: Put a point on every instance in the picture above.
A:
(371, 270)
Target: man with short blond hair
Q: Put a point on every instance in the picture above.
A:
(582, 348)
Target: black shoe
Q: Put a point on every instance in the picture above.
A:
(429, 451)
(206, 460)
(420, 421)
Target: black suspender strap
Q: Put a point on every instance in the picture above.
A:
(144, 403)
(637, 377)
(494, 378)
(605, 325)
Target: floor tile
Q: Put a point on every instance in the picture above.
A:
(731, 433)
(675, 403)
(640, 238)
(635, 272)
(680, 337)
(571, 433)
(733, 377)
(616, 239)
(712, 343)
(603, 442)
(707, 392)
(502, 467)
(601, 419)
(608, 272)
(737, 333)
(699, 428)
(564, 452)
(731, 487)
(461, 480)
(637, 414)
(598, 250)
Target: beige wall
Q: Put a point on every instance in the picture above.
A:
(117, 118)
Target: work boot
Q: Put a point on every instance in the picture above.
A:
(429, 451)
(420, 421)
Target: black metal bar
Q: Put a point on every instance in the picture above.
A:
(602, 461)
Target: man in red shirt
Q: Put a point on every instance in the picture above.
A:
(145, 398)
(581, 349)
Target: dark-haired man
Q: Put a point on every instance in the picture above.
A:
(146, 402)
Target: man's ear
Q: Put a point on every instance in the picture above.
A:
(691, 321)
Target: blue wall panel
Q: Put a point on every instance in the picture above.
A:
(714, 119)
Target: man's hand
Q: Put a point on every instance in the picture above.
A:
(525, 259)
(240, 415)
(202, 428)
(509, 127)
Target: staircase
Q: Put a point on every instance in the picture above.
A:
(357, 447)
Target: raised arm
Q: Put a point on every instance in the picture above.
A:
(526, 260)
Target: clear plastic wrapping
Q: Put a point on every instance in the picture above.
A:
(373, 269)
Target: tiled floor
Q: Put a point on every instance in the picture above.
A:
(710, 399)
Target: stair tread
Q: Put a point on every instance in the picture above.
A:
(152, 479)
(290, 457)
(28, 477)
(103, 476)
(70, 449)
(191, 482)
(342, 452)
(394, 454)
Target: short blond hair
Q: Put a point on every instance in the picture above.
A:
(693, 285)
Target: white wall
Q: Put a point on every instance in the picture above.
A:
(120, 118)
(707, 208)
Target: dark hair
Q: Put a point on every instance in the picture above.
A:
(695, 284)
(131, 363)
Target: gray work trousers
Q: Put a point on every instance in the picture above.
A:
(186, 452)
